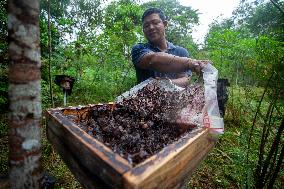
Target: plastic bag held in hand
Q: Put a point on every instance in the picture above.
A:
(210, 116)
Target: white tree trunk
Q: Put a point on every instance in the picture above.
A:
(24, 94)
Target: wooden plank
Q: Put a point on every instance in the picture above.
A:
(93, 155)
(170, 167)
(84, 176)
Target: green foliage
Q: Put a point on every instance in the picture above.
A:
(122, 25)
(84, 16)
(3, 88)
(58, 9)
(98, 81)
(3, 57)
(270, 56)
(232, 54)
(3, 32)
(3, 144)
(45, 99)
(55, 41)
(271, 24)
(59, 25)
(234, 50)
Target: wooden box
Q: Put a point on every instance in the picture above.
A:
(97, 166)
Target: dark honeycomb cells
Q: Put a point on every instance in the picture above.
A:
(139, 127)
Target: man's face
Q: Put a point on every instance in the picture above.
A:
(154, 28)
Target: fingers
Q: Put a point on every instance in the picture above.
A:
(203, 63)
(198, 65)
(189, 78)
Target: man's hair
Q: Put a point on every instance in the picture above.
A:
(150, 11)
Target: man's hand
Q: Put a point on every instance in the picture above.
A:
(197, 65)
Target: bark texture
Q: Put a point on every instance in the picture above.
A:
(24, 94)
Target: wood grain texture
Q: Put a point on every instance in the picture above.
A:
(87, 179)
(92, 154)
(170, 171)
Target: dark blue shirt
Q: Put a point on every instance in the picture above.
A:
(139, 50)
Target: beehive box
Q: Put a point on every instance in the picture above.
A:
(97, 166)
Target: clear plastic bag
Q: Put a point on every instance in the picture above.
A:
(210, 115)
(191, 114)
(212, 118)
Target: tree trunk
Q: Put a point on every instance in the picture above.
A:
(49, 57)
(24, 94)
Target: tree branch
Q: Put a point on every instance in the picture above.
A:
(277, 6)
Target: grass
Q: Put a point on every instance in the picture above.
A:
(55, 166)
(224, 167)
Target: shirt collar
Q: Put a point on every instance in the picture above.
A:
(169, 46)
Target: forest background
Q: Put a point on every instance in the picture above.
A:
(91, 41)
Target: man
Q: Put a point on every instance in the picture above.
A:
(160, 58)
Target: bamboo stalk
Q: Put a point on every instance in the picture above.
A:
(254, 122)
(49, 57)
(273, 148)
(277, 168)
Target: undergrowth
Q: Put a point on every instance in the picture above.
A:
(226, 165)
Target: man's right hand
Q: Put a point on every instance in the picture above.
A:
(197, 65)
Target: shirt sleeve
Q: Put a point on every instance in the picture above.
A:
(184, 53)
(137, 53)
